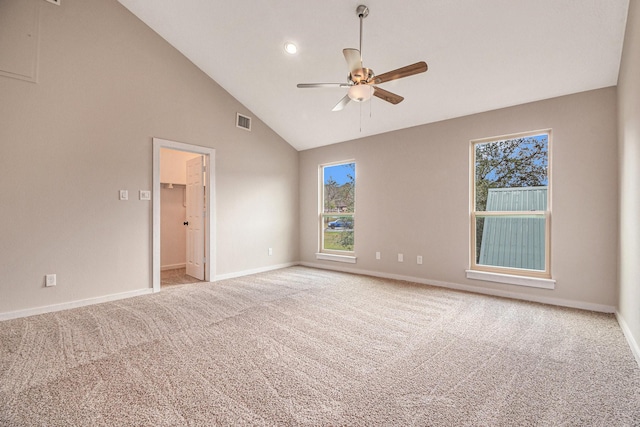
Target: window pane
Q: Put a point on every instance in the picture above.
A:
(516, 165)
(338, 233)
(339, 188)
(515, 241)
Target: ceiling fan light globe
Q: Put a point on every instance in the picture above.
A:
(360, 93)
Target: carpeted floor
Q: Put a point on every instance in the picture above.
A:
(301, 346)
(177, 276)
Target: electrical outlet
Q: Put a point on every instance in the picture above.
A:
(419, 259)
(50, 280)
(124, 195)
(377, 255)
(145, 195)
(400, 258)
(270, 251)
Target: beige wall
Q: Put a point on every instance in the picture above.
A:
(629, 151)
(412, 196)
(107, 85)
(173, 166)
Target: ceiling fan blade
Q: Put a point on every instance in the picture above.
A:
(354, 60)
(387, 96)
(343, 102)
(409, 70)
(314, 85)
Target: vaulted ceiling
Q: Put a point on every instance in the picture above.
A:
(482, 55)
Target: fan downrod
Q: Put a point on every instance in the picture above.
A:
(362, 12)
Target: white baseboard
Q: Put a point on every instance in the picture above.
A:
(635, 348)
(515, 295)
(114, 297)
(172, 266)
(72, 304)
(474, 289)
(253, 271)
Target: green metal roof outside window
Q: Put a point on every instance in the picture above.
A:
(515, 241)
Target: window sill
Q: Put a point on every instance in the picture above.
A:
(338, 258)
(510, 279)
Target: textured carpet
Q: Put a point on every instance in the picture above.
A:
(177, 276)
(301, 346)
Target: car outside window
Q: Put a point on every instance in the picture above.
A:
(337, 218)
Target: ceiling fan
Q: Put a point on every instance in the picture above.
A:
(361, 81)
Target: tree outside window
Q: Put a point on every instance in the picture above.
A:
(511, 213)
(338, 202)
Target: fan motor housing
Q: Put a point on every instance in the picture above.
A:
(361, 75)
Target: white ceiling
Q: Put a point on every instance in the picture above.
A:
(482, 55)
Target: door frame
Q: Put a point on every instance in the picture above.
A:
(209, 220)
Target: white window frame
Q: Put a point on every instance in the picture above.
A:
(332, 254)
(516, 276)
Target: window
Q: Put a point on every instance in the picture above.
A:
(511, 211)
(337, 216)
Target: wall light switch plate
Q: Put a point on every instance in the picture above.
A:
(124, 195)
(145, 195)
(50, 280)
(270, 251)
(377, 255)
(419, 259)
(400, 258)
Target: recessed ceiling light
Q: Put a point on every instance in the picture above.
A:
(290, 48)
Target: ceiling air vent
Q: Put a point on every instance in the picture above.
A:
(243, 122)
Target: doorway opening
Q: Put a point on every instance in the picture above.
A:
(181, 217)
(183, 213)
